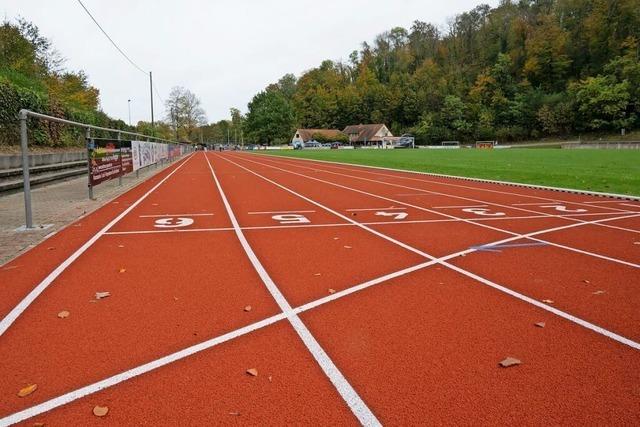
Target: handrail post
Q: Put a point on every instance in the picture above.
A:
(120, 158)
(88, 142)
(24, 143)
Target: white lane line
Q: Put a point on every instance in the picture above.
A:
(603, 201)
(124, 376)
(390, 208)
(569, 217)
(521, 297)
(278, 212)
(26, 301)
(456, 207)
(412, 194)
(467, 220)
(175, 215)
(346, 391)
(628, 204)
(134, 372)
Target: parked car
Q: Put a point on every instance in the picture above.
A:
(405, 141)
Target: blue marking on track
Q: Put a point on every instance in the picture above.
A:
(497, 248)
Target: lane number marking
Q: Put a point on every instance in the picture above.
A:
(291, 219)
(563, 208)
(396, 215)
(173, 222)
(483, 212)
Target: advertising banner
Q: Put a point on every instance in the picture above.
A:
(104, 158)
(126, 157)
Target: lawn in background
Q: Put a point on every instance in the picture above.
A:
(611, 171)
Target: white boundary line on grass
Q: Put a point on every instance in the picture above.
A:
(467, 220)
(466, 178)
(517, 295)
(35, 292)
(346, 391)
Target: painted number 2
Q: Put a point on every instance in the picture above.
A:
(291, 219)
(483, 212)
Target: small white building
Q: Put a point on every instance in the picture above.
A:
(373, 134)
(305, 135)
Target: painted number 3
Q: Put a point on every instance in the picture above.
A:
(173, 222)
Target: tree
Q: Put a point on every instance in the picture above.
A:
(184, 112)
(270, 118)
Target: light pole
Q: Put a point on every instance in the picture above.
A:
(129, 105)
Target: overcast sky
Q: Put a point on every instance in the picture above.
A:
(223, 51)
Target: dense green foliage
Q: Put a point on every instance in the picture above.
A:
(32, 77)
(612, 171)
(525, 69)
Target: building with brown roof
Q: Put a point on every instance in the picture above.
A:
(372, 134)
(306, 135)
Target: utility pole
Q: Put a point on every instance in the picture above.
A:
(151, 91)
(129, 105)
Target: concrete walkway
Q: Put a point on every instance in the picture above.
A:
(58, 204)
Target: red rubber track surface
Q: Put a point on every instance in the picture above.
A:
(418, 347)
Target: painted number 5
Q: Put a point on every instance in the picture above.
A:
(483, 212)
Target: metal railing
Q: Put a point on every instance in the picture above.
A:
(24, 143)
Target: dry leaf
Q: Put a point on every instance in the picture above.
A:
(247, 308)
(347, 247)
(541, 324)
(318, 274)
(547, 301)
(336, 238)
(237, 414)
(332, 291)
(598, 292)
(100, 295)
(51, 248)
(586, 281)
(636, 243)
(121, 246)
(122, 270)
(353, 214)
(26, 391)
(253, 372)
(63, 314)
(38, 424)
(100, 411)
(175, 298)
(510, 361)
(269, 378)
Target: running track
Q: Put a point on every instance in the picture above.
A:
(377, 297)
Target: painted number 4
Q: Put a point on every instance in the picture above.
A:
(483, 212)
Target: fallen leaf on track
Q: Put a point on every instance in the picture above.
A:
(100, 411)
(236, 414)
(318, 274)
(247, 308)
(270, 378)
(336, 238)
(253, 372)
(26, 391)
(598, 292)
(38, 424)
(586, 281)
(510, 361)
(63, 314)
(121, 246)
(547, 301)
(100, 295)
(332, 291)
(51, 248)
(122, 270)
(347, 247)
(541, 324)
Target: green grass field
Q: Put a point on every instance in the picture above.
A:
(611, 171)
